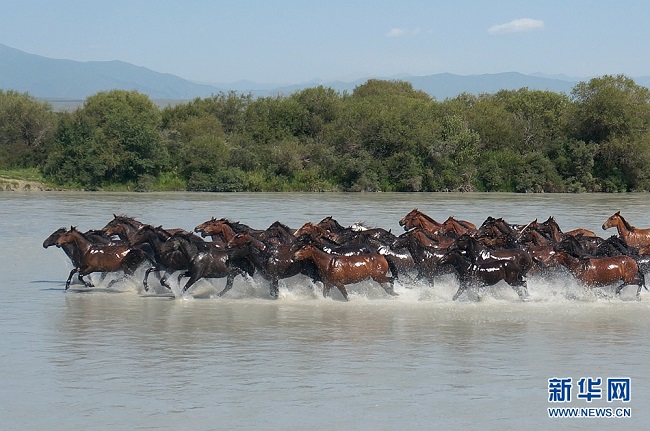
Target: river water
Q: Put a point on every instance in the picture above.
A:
(107, 359)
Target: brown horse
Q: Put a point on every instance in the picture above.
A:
(417, 218)
(603, 271)
(71, 250)
(338, 271)
(122, 226)
(218, 230)
(632, 236)
(458, 227)
(102, 257)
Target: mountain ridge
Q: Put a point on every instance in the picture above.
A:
(60, 79)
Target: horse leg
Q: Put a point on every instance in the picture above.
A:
(388, 285)
(67, 282)
(326, 290)
(522, 290)
(393, 268)
(89, 283)
(275, 290)
(229, 282)
(193, 279)
(460, 291)
(146, 275)
(343, 291)
(164, 278)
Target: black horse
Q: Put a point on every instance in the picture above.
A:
(208, 261)
(273, 261)
(485, 273)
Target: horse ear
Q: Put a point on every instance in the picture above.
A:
(618, 213)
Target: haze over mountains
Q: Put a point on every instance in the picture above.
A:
(57, 79)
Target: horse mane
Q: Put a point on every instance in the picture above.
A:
(464, 223)
(627, 225)
(426, 217)
(127, 220)
(282, 226)
(236, 226)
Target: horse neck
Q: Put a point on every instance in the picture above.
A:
(153, 237)
(186, 247)
(570, 262)
(80, 241)
(227, 232)
(623, 226)
(456, 260)
(319, 257)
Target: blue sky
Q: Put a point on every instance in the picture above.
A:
(297, 41)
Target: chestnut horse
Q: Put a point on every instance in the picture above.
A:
(416, 218)
(338, 271)
(101, 257)
(603, 271)
(632, 236)
(458, 227)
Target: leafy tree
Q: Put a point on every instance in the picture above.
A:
(113, 139)
(26, 129)
(609, 107)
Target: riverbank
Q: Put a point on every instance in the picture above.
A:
(16, 185)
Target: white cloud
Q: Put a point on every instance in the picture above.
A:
(395, 32)
(402, 32)
(516, 26)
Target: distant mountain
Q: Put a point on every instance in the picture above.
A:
(49, 78)
(60, 81)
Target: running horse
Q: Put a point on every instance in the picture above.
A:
(603, 271)
(416, 218)
(205, 260)
(632, 236)
(339, 271)
(71, 250)
(101, 257)
(485, 273)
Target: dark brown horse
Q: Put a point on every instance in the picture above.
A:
(274, 262)
(208, 261)
(71, 250)
(604, 271)
(477, 252)
(634, 237)
(339, 270)
(485, 273)
(122, 226)
(166, 258)
(425, 252)
(102, 257)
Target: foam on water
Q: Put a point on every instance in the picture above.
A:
(558, 287)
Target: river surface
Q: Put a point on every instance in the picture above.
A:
(120, 359)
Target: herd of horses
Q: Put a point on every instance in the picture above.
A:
(337, 256)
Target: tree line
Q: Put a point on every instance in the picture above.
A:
(383, 136)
